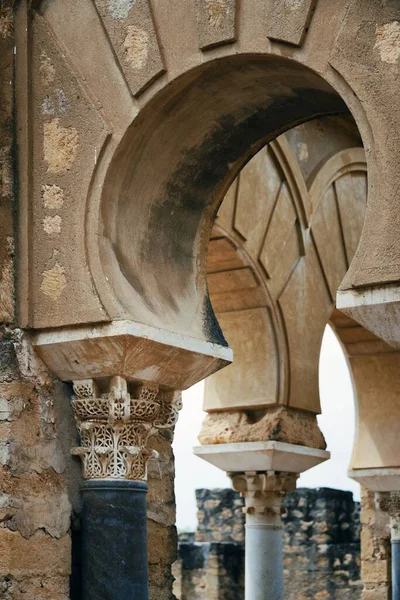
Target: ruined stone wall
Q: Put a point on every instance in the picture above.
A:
(38, 481)
(220, 517)
(162, 537)
(321, 545)
(35, 502)
(209, 570)
(37, 494)
(375, 549)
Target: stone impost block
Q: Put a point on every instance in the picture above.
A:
(261, 456)
(131, 350)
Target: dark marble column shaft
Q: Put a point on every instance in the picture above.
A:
(114, 540)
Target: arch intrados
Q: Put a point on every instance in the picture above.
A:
(173, 168)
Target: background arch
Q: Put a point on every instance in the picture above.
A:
(276, 257)
(273, 277)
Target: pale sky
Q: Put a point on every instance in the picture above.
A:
(336, 423)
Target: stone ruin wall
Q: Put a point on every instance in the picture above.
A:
(321, 545)
(375, 550)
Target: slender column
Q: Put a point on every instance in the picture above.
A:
(390, 503)
(115, 427)
(395, 541)
(263, 494)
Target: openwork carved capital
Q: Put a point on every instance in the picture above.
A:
(263, 492)
(115, 426)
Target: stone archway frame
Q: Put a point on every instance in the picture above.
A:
(251, 29)
(78, 139)
(172, 291)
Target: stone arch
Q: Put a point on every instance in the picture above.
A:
(135, 132)
(273, 285)
(273, 276)
(258, 97)
(243, 48)
(136, 106)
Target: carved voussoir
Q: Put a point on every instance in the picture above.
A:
(115, 426)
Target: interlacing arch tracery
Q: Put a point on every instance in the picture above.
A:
(278, 251)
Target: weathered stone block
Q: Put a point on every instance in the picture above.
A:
(375, 571)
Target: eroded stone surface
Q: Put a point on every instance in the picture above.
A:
(133, 35)
(280, 424)
(35, 503)
(216, 22)
(136, 44)
(6, 20)
(52, 225)
(53, 196)
(375, 549)
(7, 284)
(288, 20)
(388, 42)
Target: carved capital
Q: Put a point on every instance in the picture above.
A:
(263, 492)
(115, 425)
